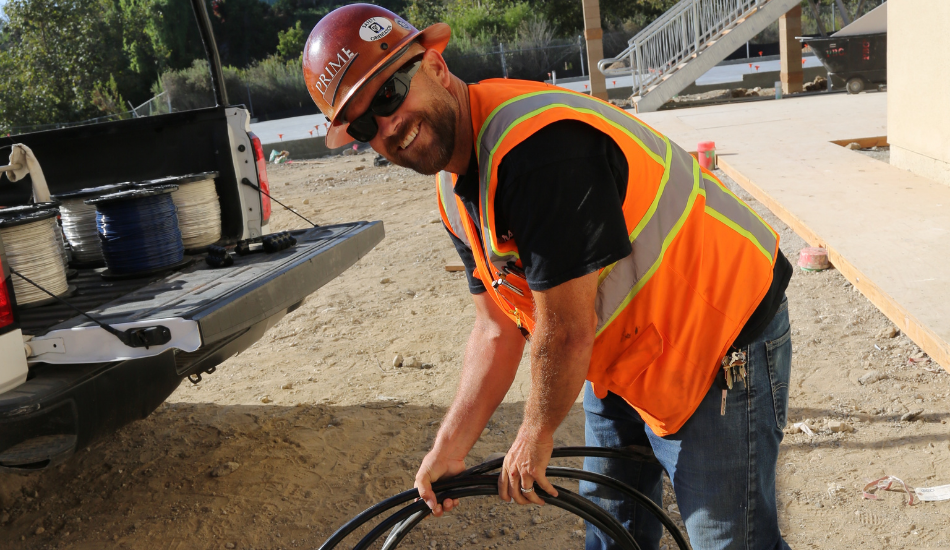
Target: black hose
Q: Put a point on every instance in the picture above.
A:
(558, 452)
(474, 482)
(565, 500)
(394, 501)
(402, 530)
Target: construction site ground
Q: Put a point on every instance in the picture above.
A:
(299, 433)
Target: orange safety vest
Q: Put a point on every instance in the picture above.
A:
(667, 314)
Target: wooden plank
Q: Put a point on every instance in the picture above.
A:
(866, 142)
(452, 268)
(910, 325)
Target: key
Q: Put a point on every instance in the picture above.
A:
(722, 409)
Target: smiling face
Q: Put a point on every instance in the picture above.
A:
(420, 134)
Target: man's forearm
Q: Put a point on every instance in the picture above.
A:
(561, 347)
(491, 362)
(560, 358)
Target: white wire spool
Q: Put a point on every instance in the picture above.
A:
(199, 208)
(34, 248)
(79, 222)
(199, 213)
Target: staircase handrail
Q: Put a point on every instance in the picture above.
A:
(645, 31)
(676, 35)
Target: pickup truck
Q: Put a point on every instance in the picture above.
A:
(82, 381)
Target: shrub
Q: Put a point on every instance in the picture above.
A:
(268, 87)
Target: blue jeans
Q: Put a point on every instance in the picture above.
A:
(722, 467)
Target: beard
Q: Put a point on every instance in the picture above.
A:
(441, 119)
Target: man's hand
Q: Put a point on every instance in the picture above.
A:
(435, 467)
(524, 467)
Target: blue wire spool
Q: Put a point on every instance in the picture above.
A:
(138, 231)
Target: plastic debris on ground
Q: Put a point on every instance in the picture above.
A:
(933, 494)
(884, 484)
(280, 158)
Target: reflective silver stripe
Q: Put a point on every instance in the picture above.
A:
(499, 122)
(509, 113)
(451, 206)
(741, 216)
(676, 197)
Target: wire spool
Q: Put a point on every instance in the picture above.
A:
(79, 223)
(199, 209)
(38, 207)
(33, 245)
(138, 231)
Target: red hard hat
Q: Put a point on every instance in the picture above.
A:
(348, 47)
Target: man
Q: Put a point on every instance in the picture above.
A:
(604, 244)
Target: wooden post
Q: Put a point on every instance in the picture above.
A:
(790, 26)
(595, 47)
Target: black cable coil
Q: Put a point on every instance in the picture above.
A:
(476, 481)
(138, 230)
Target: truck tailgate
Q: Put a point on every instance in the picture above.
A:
(223, 302)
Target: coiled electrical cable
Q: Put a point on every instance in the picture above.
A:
(79, 222)
(476, 480)
(138, 230)
(199, 209)
(565, 500)
(34, 247)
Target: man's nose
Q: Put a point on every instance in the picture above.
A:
(389, 125)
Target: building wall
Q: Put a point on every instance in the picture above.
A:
(918, 87)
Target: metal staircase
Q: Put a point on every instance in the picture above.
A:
(692, 37)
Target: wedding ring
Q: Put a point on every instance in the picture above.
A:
(530, 490)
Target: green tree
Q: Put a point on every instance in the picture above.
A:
(290, 43)
(174, 41)
(57, 52)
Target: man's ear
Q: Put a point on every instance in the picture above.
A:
(434, 65)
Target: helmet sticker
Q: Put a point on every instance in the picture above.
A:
(375, 28)
(403, 24)
(329, 80)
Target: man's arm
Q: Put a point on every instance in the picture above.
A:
(561, 347)
(491, 361)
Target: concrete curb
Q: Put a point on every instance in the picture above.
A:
(307, 148)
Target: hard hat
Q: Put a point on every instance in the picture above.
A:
(349, 46)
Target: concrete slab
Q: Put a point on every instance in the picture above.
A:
(288, 129)
(886, 229)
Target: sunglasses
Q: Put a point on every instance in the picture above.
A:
(389, 97)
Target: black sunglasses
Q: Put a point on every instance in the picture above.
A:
(389, 97)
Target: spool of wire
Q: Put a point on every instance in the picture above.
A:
(199, 209)
(79, 223)
(38, 207)
(34, 247)
(138, 231)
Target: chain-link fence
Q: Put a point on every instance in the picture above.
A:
(530, 60)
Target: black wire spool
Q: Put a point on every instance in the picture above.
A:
(138, 232)
(475, 481)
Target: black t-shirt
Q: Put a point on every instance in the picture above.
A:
(560, 196)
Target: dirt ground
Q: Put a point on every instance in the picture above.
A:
(294, 436)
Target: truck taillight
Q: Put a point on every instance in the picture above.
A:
(6, 304)
(261, 162)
